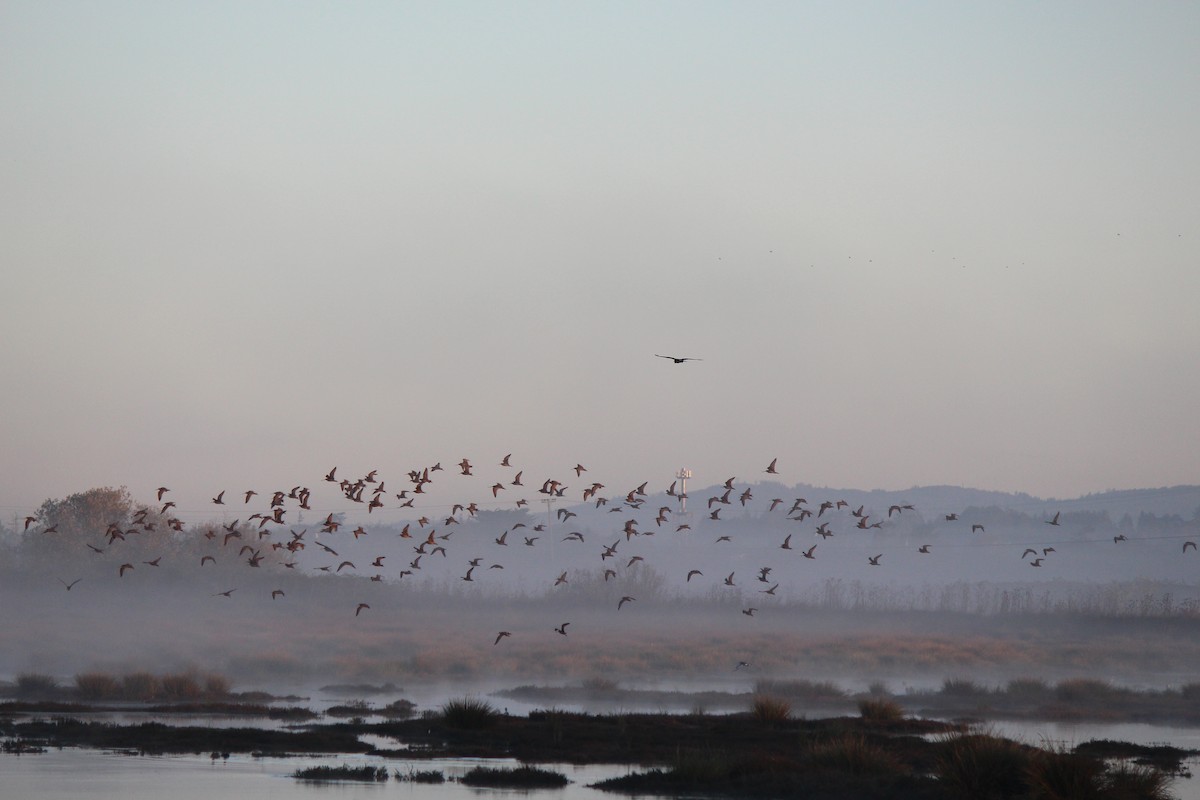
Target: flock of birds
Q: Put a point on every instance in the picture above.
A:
(268, 531)
(430, 534)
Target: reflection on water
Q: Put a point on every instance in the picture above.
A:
(73, 774)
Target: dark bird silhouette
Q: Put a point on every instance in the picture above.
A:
(220, 498)
(124, 567)
(679, 360)
(500, 636)
(69, 585)
(562, 628)
(1186, 545)
(624, 600)
(359, 608)
(1055, 520)
(749, 612)
(770, 470)
(875, 559)
(277, 593)
(226, 593)
(693, 573)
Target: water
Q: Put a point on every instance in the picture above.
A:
(79, 774)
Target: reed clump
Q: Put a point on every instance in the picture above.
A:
(768, 708)
(980, 766)
(880, 709)
(469, 713)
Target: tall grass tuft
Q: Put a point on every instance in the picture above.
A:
(1125, 781)
(880, 709)
(976, 766)
(468, 713)
(1058, 774)
(767, 708)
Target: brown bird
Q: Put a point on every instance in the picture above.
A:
(729, 580)
(875, 560)
(562, 628)
(624, 600)
(561, 579)
(977, 527)
(694, 573)
(121, 571)
(809, 552)
(679, 360)
(161, 491)
(359, 609)
(500, 636)
(227, 593)
(277, 593)
(220, 498)
(207, 558)
(770, 470)
(1055, 520)
(69, 585)
(1187, 544)
(787, 543)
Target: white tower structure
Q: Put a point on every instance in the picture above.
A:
(682, 476)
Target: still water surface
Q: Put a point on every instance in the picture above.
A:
(78, 774)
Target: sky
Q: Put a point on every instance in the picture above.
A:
(911, 243)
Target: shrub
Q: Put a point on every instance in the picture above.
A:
(139, 686)
(978, 766)
(217, 685)
(180, 686)
(766, 708)
(35, 684)
(97, 686)
(1084, 690)
(880, 709)
(468, 713)
(599, 684)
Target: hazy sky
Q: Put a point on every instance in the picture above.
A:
(913, 243)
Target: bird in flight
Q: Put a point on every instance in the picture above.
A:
(69, 585)
(500, 636)
(562, 628)
(1055, 520)
(679, 360)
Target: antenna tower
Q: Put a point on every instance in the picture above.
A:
(682, 476)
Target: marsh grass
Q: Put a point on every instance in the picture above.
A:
(852, 754)
(880, 709)
(802, 691)
(768, 708)
(421, 776)
(518, 777)
(980, 766)
(469, 713)
(342, 773)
